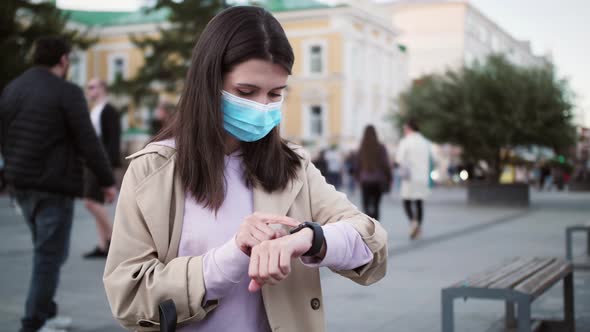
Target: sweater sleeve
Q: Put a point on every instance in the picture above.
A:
(86, 141)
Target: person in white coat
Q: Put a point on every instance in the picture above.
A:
(413, 157)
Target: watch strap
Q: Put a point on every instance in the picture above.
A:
(318, 237)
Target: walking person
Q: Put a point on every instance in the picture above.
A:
(413, 157)
(351, 166)
(107, 125)
(320, 162)
(46, 131)
(374, 173)
(162, 115)
(334, 165)
(222, 215)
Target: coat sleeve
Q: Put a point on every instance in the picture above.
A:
(330, 206)
(135, 280)
(87, 143)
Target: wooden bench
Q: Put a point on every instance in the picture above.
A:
(518, 282)
(583, 262)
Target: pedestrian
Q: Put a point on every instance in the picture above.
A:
(545, 176)
(107, 125)
(413, 156)
(210, 212)
(351, 167)
(46, 131)
(320, 162)
(374, 173)
(162, 115)
(334, 165)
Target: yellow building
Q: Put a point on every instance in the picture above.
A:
(348, 70)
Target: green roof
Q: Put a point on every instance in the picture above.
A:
(96, 18)
(142, 16)
(289, 5)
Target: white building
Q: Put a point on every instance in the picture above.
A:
(448, 34)
(349, 70)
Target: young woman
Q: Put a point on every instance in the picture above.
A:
(413, 156)
(211, 214)
(374, 173)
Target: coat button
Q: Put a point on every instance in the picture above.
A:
(144, 323)
(315, 303)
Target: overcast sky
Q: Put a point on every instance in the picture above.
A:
(551, 26)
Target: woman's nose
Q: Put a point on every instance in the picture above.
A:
(262, 99)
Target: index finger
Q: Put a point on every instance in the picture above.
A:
(274, 219)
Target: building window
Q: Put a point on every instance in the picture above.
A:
(316, 65)
(495, 44)
(316, 121)
(483, 34)
(469, 58)
(77, 68)
(117, 67)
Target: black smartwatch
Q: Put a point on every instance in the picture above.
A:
(318, 237)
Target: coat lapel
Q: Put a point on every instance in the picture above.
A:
(277, 202)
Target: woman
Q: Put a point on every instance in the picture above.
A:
(374, 174)
(205, 211)
(413, 156)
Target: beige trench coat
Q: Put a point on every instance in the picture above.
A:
(143, 269)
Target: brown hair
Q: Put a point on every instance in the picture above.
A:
(235, 35)
(49, 50)
(371, 152)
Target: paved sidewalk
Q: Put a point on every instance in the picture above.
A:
(457, 240)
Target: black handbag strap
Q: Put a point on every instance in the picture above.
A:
(168, 316)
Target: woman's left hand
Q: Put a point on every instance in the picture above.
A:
(270, 261)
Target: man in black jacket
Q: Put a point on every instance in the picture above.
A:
(45, 133)
(107, 126)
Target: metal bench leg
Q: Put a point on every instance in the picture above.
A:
(524, 315)
(568, 297)
(568, 244)
(510, 315)
(447, 312)
(588, 244)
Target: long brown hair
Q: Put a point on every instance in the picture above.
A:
(235, 35)
(371, 152)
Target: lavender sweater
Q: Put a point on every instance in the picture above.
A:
(225, 266)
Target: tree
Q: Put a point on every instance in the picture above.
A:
(167, 55)
(492, 107)
(21, 23)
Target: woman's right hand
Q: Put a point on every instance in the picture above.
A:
(255, 229)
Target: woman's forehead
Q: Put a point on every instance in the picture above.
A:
(261, 73)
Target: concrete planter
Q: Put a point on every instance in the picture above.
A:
(493, 194)
(579, 186)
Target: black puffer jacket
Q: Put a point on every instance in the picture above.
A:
(46, 134)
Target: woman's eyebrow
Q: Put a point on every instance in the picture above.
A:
(248, 85)
(253, 86)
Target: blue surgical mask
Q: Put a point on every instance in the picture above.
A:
(247, 120)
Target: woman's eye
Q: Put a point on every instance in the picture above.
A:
(275, 95)
(245, 93)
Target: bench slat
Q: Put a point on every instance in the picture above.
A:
(545, 278)
(509, 271)
(522, 274)
(493, 273)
